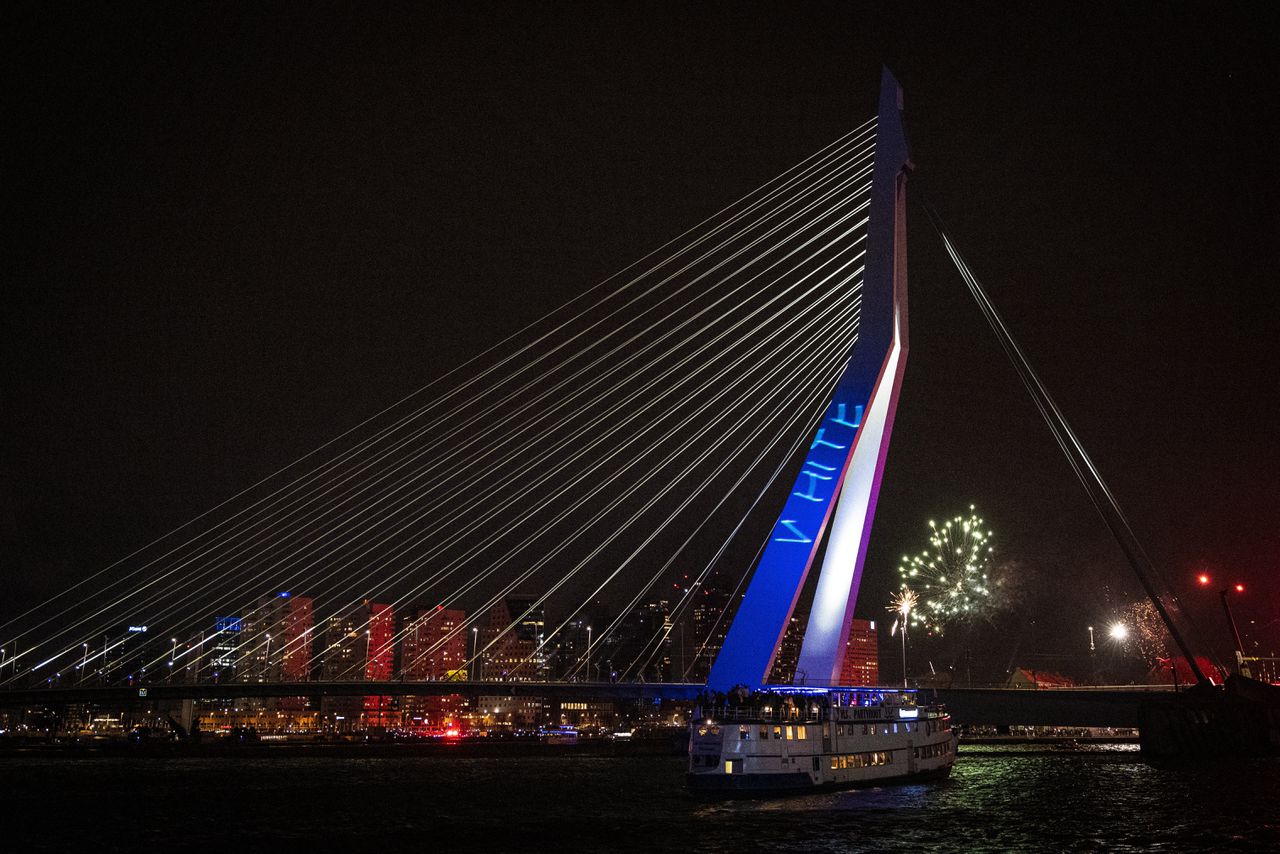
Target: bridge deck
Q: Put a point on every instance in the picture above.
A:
(1093, 707)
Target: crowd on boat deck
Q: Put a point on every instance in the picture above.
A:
(740, 697)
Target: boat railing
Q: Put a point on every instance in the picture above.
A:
(761, 714)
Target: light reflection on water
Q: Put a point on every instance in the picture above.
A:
(1019, 800)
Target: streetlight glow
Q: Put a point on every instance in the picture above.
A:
(1119, 631)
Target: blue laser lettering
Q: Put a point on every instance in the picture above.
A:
(790, 525)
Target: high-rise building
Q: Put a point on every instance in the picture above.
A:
(861, 655)
(275, 640)
(710, 624)
(510, 642)
(359, 645)
(434, 645)
(379, 711)
(640, 644)
(784, 663)
(223, 646)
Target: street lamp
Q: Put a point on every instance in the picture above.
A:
(475, 647)
(1241, 668)
(266, 665)
(588, 653)
(1118, 632)
(902, 604)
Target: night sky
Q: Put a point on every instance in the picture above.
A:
(236, 232)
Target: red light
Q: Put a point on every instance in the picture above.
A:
(1239, 588)
(1204, 579)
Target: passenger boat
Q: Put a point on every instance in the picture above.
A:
(792, 740)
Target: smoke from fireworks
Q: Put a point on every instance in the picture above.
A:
(952, 574)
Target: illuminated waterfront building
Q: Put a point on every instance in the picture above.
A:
(862, 654)
(510, 641)
(358, 646)
(784, 664)
(434, 647)
(224, 649)
(275, 640)
(710, 625)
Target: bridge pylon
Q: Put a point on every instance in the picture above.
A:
(834, 496)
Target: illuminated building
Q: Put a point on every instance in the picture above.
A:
(511, 652)
(275, 640)
(224, 648)
(495, 712)
(434, 647)
(710, 625)
(380, 664)
(784, 663)
(358, 647)
(861, 655)
(642, 636)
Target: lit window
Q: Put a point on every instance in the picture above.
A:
(802, 732)
(728, 766)
(788, 733)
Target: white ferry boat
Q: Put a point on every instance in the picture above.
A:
(792, 740)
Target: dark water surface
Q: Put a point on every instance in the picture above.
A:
(1008, 801)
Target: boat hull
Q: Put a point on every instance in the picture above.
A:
(745, 786)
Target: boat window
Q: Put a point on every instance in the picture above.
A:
(728, 766)
(802, 732)
(764, 733)
(777, 732)
(743, 734)
(835, 763)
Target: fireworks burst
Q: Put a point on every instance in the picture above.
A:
(951, 574)
(904, 602)
(1147, 631)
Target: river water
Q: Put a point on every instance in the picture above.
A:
(1011, 800)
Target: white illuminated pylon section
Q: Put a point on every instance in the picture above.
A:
(827, 634)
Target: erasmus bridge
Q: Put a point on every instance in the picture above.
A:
(558, 515)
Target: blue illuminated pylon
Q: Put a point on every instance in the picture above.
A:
(842, 470)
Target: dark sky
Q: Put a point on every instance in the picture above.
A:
(237, 231)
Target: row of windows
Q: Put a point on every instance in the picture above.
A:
(929, 751)
(861, 760)
(788, 733)
(872, 729)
